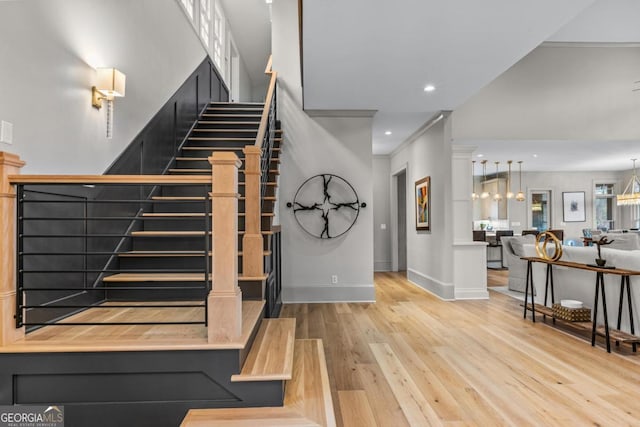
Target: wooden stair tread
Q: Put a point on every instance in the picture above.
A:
(219, 138)
(168, 277)
(224, 122)
(132, 254)
(256, 116)
(185, 198)
(187, 170)
(231, 130)
(223, 148)
(160, 233)
(307, 399)
(271, 355)
(191, 214)
(227, 108)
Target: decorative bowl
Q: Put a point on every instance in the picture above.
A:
(571, 303)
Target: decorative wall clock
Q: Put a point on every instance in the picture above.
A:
(326, 206)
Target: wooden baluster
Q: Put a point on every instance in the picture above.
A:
(10, 164)
(252, 242)
(225, 298)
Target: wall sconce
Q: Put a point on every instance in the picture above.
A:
(111, 83)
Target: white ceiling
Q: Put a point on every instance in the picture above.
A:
(388, 51)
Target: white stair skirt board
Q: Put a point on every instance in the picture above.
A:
(382, 266)
(329, 293)
(440, 289)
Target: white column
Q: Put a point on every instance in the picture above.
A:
(469, 257)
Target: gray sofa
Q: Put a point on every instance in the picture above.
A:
(512, 250)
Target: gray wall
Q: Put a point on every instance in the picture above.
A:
(381, 214)
(338, 145)
(429, 253)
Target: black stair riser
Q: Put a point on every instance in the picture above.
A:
(157, 294)
(182, 243)
(228, 132)
(221, 124)
(234, 118)
(236, 145)
(189, 191)
(206, 153)
(167, 263)
(173, 243)
(243, 111)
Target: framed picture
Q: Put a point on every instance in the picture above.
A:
(423, 204)
(573, 207)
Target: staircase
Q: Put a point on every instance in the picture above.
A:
(173, 231)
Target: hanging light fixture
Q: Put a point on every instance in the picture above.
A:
(509, 192)
(485, 193)
(520, 195)
(474, 195)
(497, 197)
(631, 194)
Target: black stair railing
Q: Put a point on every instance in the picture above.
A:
(72, 232)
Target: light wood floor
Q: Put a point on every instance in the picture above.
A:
(412, 359)
(497, 277)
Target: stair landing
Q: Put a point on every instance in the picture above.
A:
(105, 338)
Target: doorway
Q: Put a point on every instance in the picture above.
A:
(401, 191)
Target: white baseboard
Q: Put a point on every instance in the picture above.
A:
(440, 289)
(328, 293)
(472, 294)
(382, 266)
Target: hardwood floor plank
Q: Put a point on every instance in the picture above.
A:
(414, 405)
(385, 406)
(355, 409)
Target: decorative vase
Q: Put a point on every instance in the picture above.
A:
(600, 262)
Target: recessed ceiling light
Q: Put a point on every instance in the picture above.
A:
(535, 155)
(387, 132)
(429, 88)
(480, 155)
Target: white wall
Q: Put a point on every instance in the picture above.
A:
(429, 253)
(49, 50)
(381, 214)
(245, 83)
(339, 145)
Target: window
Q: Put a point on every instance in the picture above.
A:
(218, 36)
(188, 6)
(205, 21)
(604, 206)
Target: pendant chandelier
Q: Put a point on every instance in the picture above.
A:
(520, 195)
(631, 194)
(485, 193)
(497, 197)
(509, 192)
(474, 195)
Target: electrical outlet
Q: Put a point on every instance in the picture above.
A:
(383, 226)
(334, 279)
(6, 132)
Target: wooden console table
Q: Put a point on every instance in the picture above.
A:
(624, 274)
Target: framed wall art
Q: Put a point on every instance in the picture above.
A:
(573, 209)
(423, 204)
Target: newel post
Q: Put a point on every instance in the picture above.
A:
(252, 243)
(10, 164)
(225, 298)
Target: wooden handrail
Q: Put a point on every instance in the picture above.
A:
(109, 179)
(264, 120)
